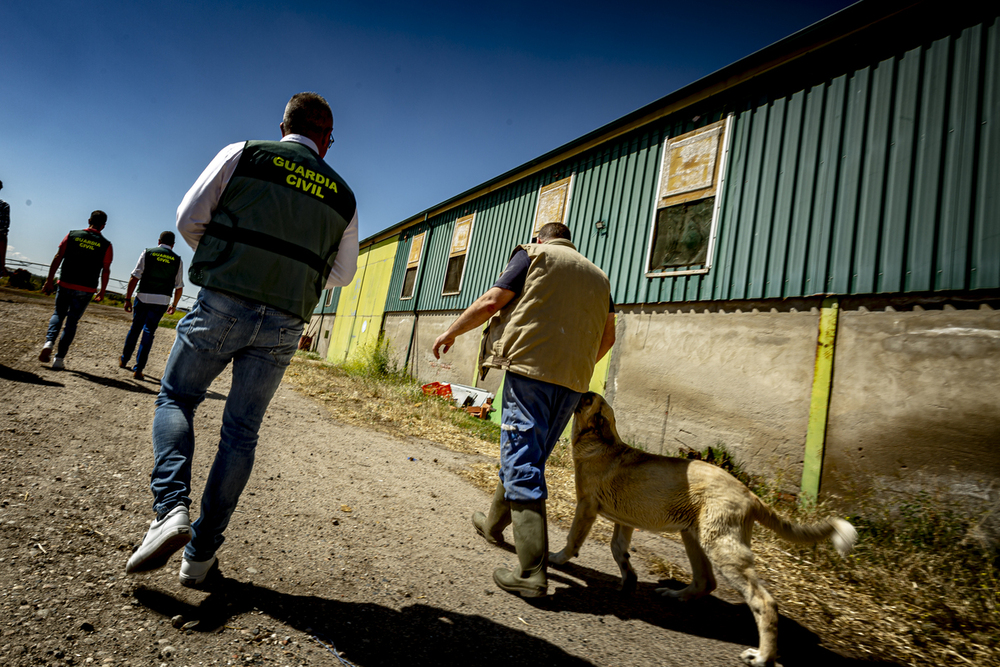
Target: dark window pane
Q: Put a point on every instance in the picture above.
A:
(408, 280)
(682, 235)
(453, 279)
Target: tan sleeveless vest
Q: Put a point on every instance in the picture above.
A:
(553, 330)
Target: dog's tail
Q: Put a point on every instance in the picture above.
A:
(841, 533)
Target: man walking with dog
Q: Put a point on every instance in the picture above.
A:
(551, 323)
(271, 225)
(159, 272)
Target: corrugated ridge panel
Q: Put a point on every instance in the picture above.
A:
(959, 164)
(828, 173)
(915, 270)
(882, 239)
(637, 208)
(729, 223)
(985, 269)
(784, 195)
(751, 255)
(638, 286)
(767, 247)
(852, 158)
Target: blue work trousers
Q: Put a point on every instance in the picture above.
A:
(535, 414)
(70, 304)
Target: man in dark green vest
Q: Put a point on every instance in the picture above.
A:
(159, 273)
(272, 225)
(84, 255)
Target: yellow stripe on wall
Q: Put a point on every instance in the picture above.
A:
(819, 403)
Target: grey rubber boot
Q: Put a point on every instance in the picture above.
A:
(531, 540)
(491, 526)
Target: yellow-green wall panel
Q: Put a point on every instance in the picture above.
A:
(370, 304)
(347, 309)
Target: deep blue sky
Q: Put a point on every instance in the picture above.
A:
(119, 106)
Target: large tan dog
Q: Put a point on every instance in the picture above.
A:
(711, 509)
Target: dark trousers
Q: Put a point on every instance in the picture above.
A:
(70, 304)
(145, 318)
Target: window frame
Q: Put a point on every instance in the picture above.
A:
(569, 182)
(722, 160)
(464, 252)
(415, 264)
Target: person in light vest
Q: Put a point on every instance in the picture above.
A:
(159, 272)
(272, 225)
(85, 255)
(551, 320)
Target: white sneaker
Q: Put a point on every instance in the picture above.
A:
(194, 572)
(165, 536)
(58, 364)
(46, 352)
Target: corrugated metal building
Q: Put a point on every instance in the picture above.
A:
(804, 248)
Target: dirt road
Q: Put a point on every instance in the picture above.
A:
(344, 536)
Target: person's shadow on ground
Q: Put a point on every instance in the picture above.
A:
(134, 386)
(111, 382)
(15, 375)
(709, 617)
(367, 633)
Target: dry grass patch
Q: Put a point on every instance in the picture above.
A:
(393, 406)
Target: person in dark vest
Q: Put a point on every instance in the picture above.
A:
(159, 273)
(551, 321)
(85, 256)
(4, 228)
(272, 225)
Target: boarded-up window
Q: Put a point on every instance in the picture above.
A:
(456, 257)
(553, 204)
(686, 210)
(412, 265)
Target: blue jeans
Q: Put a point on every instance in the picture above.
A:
(259, 341)
(70, 304)
(535, 413)
(145, 319)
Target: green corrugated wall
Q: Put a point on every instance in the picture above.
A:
(321, 307)
(880, 180)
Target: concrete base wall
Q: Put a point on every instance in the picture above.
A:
(396, 330)
(458, 365)
(692, 380)
(915, 404)
(319, 329)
